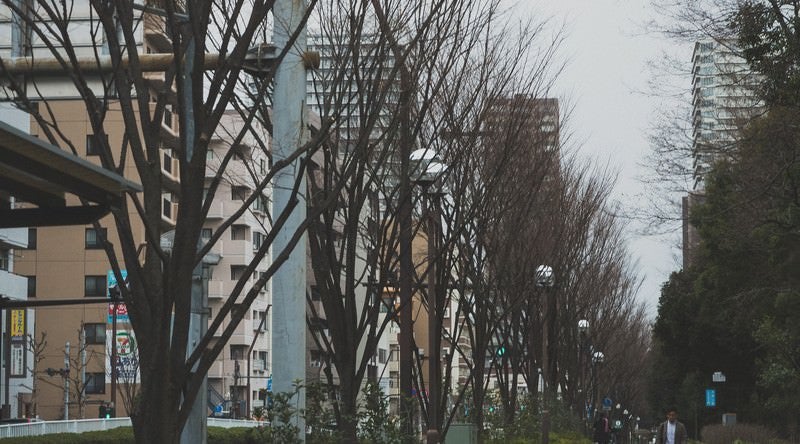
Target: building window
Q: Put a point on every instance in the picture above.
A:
(32, 235)
(260, 204)
(167, 161)
(168, 116)
(94, 238)
(238, 232)
(95, 333)
(238, 352)
(95, 383)
(239, 192)
(31, 286)
(394, 354)
(166, 203)
(237, 271)
(382, 355)
(205, 234)
(94, 145)
(263, 164)
(5, 258)
(95, 286)
(258, 240)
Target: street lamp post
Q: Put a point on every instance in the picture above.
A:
(583, 331)
(545, 279)
(429, 171)
(597, 359)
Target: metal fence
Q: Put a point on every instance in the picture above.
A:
(93, 425)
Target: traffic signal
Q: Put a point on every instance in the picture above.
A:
(106, 412)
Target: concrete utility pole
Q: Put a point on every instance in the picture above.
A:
(289, 282)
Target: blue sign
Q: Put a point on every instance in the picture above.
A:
(607, 402)
(269, 384)
(218, 408)
(711, 398)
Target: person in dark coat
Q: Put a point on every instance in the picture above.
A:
(671, 431)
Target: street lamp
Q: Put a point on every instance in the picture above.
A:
(597, 360)
(428, 170)
(583, 331)
(545, 278)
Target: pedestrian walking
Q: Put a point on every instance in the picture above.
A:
(602, 429)
(671, 431)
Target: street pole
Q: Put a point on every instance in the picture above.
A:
(546, 280)
(434, 323)
(196, 429)
(545, 363)
(406, 264)
(289, 282)
(114, 348)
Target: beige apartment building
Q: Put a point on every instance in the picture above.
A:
(69, 262)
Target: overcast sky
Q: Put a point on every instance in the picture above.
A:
(607, 55)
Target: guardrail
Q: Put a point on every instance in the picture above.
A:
(92, 425)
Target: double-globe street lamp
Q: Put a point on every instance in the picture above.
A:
(583, 352)
(545, 278)
(428, 170)
(597, 360)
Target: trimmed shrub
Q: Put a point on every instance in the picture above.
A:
(739, 433)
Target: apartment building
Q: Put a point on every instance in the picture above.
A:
(723, 102)
(69, 262)
(243, 369)
(16, 397)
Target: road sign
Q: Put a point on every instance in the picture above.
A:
(269, 384)
(607, 402)
(718, 377)
(218, 408)
(711, 398)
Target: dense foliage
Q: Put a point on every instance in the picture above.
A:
(735, 309)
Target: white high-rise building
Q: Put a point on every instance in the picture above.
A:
(723, 100)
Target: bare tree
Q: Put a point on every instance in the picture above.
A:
(37, 349)
(458, 66)
(135, 66)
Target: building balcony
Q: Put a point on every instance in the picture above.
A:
(156, 31)
(14, 237)
(13, 285)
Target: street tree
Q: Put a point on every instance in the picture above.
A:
(136, 65)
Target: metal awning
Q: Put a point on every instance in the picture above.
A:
(35, 171)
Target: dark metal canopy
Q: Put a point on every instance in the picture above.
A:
(37, 172)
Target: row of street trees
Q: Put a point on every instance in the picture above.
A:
(734, 309)
(460, 78)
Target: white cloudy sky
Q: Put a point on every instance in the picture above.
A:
(607, 54)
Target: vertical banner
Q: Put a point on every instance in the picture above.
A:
(127, 356)
(18, 323)
(18, 335)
